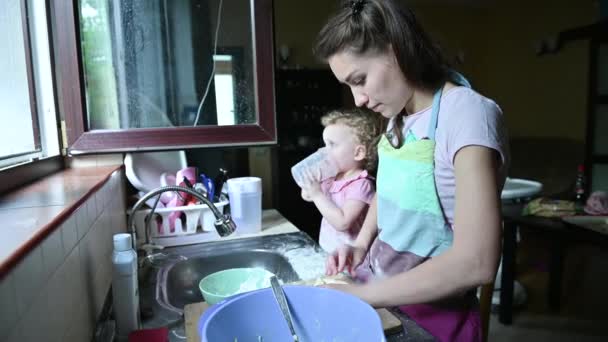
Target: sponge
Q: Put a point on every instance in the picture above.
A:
(150, 335)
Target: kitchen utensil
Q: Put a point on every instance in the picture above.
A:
(219, 180)
(143, 169)
(223, 284)
(197, 313)
(208, 184)
(245, 194)
(277, 290)
(319, 314)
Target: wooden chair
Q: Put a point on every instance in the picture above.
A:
(485, 308)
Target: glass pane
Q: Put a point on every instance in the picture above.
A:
(16, 131)
(599, 179)
(156, 63)
(602, 70)
(600, 143)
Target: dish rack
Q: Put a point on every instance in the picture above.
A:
(195, 224)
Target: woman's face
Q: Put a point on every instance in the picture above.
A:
(375, 80)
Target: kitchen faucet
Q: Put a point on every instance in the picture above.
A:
(223, 223)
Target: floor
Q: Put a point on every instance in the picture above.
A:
(533, 327)
(583, 315)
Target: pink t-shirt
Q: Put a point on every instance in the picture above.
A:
(465, 118)
(359, 188)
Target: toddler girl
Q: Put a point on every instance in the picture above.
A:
(350, 138)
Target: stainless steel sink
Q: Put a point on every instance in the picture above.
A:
(184, 276)
(177, 282)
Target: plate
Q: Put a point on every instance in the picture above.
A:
(144, 169)
(520, 188)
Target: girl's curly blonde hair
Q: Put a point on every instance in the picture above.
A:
(367, 126)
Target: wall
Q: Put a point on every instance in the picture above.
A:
(541, 96)
(296, 24)
(57, 291)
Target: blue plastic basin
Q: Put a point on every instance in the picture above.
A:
(320, 314)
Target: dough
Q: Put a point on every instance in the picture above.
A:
(325, 280)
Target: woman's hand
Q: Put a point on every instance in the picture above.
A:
(346, 257)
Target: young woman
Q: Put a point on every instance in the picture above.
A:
(433, 231)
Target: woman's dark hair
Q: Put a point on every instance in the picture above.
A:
(363, 26)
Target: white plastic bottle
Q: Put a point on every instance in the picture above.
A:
(125, 290)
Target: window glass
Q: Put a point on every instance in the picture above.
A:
(158, 63)
(29, 123)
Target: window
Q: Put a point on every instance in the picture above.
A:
(154, 75)
(122, 41)
(28, 129)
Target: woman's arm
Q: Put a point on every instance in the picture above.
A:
(473, 258)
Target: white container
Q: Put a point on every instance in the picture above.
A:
(316, 167)
(125, 291)
(245, 194)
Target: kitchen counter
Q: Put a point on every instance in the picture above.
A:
(279, 236)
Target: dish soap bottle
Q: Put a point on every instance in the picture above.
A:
(125, 292)
(580, 193)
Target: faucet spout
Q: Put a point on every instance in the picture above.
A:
(223, 223)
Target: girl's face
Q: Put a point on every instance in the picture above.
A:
(343, 146)
(375, 80)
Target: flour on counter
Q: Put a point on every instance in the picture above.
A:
(307, 262)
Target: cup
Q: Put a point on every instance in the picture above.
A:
(245, 194)
(316, 167)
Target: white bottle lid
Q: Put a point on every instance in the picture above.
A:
(245, 185)
(122, 242)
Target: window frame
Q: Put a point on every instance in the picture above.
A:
(19, 157)
(24, 172)
(80, 140)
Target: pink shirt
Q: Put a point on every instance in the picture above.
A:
(358, 188)
(465, 118)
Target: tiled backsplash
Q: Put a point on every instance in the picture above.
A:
(57, 291)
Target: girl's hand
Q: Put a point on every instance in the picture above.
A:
(305, 195)
(346, 257)
(314, 189)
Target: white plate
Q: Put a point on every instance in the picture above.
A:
(520, 188)
(144, 169)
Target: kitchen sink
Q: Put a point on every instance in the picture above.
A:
(183, 278)
(177, 281)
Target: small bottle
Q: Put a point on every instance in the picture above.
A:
(580, 195)
(125, 292)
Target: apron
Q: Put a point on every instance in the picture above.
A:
(413, 229)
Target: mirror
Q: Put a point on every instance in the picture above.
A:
(159, 63)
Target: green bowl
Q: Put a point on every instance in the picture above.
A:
(223, 284)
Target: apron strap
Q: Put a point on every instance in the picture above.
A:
(457, 78)
(434, 114)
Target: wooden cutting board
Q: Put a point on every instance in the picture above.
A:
(390, 323)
